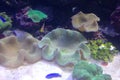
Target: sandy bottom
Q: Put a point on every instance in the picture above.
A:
(113, 68)
(39, 70)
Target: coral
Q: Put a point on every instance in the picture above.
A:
(102, 77)
(115, 19)
(109, 31)
(15, 50)
(29, 20)
(36, 15)
(88, 71)
(102, 50)
(98, 35)
(5, 21)
(64, 46)
(85, 22)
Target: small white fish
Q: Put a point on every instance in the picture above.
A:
(73, 9)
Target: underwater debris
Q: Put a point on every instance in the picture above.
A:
(53, 75)
(84, 70)
(64, 46)
(85, 22)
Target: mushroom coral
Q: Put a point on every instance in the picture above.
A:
(36, 15)
(64, 46)
(15, 50)
(84, 70)
(85, 22)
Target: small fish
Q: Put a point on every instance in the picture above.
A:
(53, 75)
(2, 19)
(42, 29)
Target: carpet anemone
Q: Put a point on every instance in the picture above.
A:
(15, 50)
(85, 22)
(64, 46)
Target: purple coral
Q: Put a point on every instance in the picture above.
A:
(115, 19)
(24, 22)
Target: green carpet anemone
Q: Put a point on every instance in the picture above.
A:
(84, 70)
(64, 46)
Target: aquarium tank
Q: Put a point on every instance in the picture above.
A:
(59, 39)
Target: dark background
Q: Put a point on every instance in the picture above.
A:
(60, 11)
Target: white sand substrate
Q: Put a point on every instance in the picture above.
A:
(39, 70)
(113, 68)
